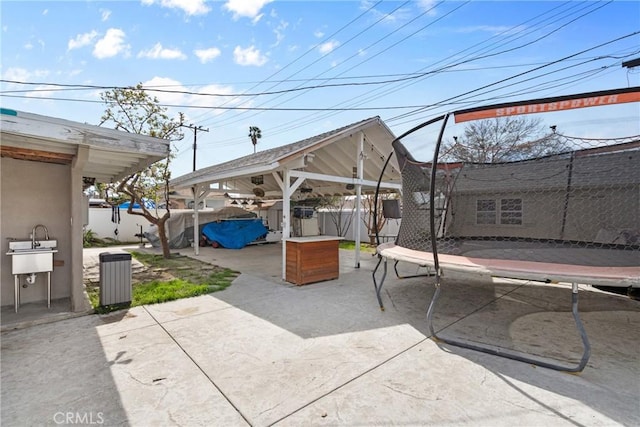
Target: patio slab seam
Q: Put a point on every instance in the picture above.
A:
(197, 365)
(479, 309)
(351, 380)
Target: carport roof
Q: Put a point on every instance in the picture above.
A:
(111, 154)
(335, 153)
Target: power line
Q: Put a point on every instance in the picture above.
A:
(395, 87)
(311, 49)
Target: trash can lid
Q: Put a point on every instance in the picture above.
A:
(114, 256)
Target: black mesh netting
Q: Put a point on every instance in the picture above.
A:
(578, 207)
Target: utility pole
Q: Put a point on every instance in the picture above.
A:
(195, 139)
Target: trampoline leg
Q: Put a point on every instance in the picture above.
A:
(375, 283)
(583, 334)
(399, 276)
(520, 357)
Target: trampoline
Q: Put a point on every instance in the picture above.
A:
(568, 217)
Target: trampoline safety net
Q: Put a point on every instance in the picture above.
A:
(580, 206)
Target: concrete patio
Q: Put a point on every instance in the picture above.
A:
(264, 352)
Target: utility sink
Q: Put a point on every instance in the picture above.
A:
(27, 258)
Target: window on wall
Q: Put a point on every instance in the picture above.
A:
(511, 211)
(499, 211)
(486, 211)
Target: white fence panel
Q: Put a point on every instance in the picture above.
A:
(328, 227)
(101, 224)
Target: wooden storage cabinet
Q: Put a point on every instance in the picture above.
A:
(312, 259)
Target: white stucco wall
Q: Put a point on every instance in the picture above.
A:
(35, 193)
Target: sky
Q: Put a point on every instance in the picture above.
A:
(296, 69)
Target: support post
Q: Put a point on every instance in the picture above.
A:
(196, 220)
(360, 174)
(78, 301)
(286, 218)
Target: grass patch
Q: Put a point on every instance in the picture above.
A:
(166, 280)
(159, 291)
(351, 245)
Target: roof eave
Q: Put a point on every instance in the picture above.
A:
(189, 180)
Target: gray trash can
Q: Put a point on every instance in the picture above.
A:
(115, 278)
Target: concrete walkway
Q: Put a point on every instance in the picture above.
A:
(264, 352)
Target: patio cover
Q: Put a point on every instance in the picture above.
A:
(344, 161)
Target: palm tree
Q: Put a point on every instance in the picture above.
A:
(255, 134)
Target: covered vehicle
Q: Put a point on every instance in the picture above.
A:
(180, 225)
(234, 234)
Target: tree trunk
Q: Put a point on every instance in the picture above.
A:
(164, 241)
(158, 222)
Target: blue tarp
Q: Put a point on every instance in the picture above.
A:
(234, 234)
(149, 204)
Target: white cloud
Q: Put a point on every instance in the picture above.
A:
(111, 44)
(23, 75)
(246, 8)
(159, 52)
(249, 56)
(399, 15)
(428, 6)
(28, 46)
(329, 46)
(279, 32)
(174, 97)
(82, 40)
(207, 55)
(105, 14)
(169, 84)
(318, 34)
(190, 7)
(17, 74)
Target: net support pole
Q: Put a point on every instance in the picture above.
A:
(496, 351)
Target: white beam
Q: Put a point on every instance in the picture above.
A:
(360, 172)
(344, 180)
(286, 220)
(203, 177)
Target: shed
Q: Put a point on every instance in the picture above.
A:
(46, 164)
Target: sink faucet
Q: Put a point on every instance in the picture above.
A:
(35, 244)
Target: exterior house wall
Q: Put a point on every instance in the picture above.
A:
(541, 216)
(612, 209)
(603, 195)
(36, 193)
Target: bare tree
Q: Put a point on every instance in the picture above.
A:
(133, 110)
(254, 134)
(368, 203)
(503, 139)
(335, 207)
